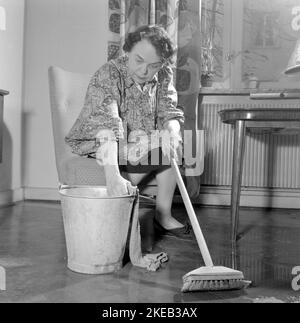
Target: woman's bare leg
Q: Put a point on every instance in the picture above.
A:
(166, 184)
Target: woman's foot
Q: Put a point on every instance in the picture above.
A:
(169, 226)
(167, 221)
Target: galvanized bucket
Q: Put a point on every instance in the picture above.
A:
(96, 228)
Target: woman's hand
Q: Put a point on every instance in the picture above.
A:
(172, 140)
(118, 186)
(172, 145)
(107, 156)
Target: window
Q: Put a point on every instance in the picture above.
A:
(213, 38)
(270, 35)
(250, 39)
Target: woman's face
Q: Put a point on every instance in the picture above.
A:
(143, 62)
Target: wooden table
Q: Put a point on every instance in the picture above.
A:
(2, 93)
(273, 119)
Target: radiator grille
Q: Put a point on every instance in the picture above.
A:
(270, 160)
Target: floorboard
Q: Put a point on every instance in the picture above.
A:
(33, 253)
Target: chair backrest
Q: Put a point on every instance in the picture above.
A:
(67, 93)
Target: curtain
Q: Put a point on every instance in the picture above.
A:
(181, 18)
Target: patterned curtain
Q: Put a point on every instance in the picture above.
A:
(181, 18)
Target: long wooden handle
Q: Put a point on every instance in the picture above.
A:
(192, 216)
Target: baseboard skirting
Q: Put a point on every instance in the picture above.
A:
(251, 197)
(11, 196)
(217, 196)
(41, 194)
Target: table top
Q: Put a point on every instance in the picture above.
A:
(260, 114)
(3, 92)
(255, 94)
(214, 91)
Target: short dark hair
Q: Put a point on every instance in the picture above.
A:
(157, 36)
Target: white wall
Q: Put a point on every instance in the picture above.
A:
(11, 70)
(72, 34)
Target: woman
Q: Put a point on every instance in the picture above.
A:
(134, 94)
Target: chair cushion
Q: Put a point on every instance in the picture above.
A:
(82, 171)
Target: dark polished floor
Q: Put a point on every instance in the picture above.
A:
(33, 252)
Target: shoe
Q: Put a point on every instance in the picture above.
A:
(184, 233)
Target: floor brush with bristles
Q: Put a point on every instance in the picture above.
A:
(209, 277)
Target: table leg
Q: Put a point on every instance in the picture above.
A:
(237, 172)
(1, 126)
(2, 278)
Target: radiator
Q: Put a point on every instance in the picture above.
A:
(270, 160)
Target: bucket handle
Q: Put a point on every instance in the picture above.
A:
(62, 186)
(136, 192)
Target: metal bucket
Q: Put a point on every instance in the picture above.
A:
(96, 228)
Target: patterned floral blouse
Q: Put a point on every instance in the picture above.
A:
(145, 109)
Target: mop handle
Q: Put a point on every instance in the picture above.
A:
(191, 213)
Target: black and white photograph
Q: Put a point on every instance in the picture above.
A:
(149, 154)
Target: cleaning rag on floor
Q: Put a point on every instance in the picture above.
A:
(150, 261)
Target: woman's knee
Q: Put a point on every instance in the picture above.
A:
(135, 178)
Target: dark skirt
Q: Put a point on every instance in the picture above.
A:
(153, 161)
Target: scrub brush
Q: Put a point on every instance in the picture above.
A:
(209, 277)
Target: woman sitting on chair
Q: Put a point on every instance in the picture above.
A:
(134, 95)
